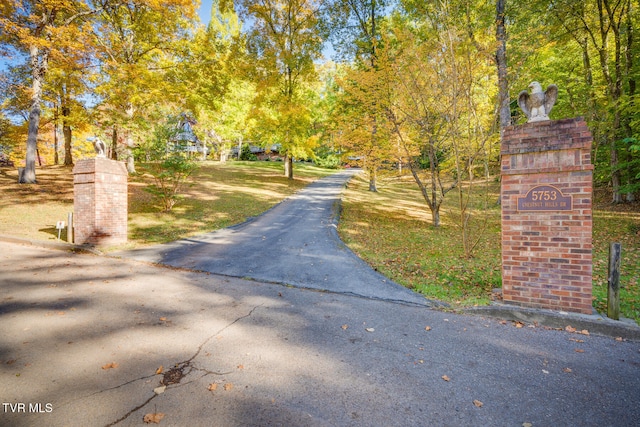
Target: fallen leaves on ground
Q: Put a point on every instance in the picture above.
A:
(228, 386)
(160, 390)
(579, 350)
(567, 370)
(427, 328)
(478, 403)
(153, 418)
(575, 331)
(344, 327)
(370, 329)
(212, 387)
(446, 378)
(111, 365)
(159, 370)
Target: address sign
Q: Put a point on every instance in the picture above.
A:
(545, 198)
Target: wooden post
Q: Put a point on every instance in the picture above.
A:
(70, 227)
(613, 292)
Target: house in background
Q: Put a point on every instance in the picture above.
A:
(256, 152)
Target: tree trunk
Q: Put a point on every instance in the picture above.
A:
(501, 62)
(373, 186)
(616, 180)
(114, 143)
(29, 174)
(288, 166)
(629, 60)
(432, 201)
(66, 131)
(39, 60)
(131, 167)
(435, 215)
(204, 149)
(56, 143)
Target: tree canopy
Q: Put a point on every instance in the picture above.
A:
(422, 85)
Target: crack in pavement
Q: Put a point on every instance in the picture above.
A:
(176, 374)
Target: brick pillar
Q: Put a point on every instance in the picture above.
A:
(547, 215)
(100, 201)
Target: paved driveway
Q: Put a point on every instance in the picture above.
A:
(295, 243)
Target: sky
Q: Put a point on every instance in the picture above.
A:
(205, 11)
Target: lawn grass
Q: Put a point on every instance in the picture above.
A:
(222, 195)
(392, 231)
(32, 210)
(617, 224)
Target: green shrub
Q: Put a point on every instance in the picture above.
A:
(170, 165)
(331, 161)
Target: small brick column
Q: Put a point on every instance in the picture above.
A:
(547, 215)
(100, 201)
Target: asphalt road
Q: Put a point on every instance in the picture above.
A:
(85, 340)
(294, 243)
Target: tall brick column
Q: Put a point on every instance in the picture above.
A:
(100, 201)
(547, 215)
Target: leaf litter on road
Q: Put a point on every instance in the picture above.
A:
(154, 418)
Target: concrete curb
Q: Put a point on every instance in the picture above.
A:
(595, 323)
(60, 246)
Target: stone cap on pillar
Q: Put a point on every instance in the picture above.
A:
(100, 164)
(546, 136)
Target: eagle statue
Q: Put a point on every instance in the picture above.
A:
(538, 104)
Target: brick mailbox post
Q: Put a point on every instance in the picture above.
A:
(546, 197)
(100, 201)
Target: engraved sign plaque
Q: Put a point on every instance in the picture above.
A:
(544, 198)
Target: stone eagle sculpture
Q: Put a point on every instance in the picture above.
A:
(538, 104)
(99, 146)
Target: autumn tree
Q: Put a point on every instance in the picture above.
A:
(137, 42)
(68, 81)
(441, 101)
(356, 37)
(360, 119)
(588, 48)
(419, 111)
(285, 39)
(604, 32)
(39, 31)
(213, 77)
